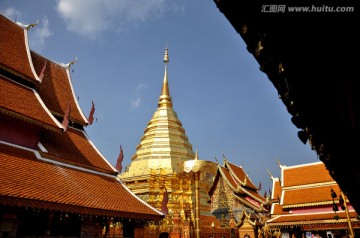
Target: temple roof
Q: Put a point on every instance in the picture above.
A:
(17, 60)
(56, 88)
(29, 180)
(164, 143)
(304, 197)
(240, 183)
(48, 164)
(310, 62)
(31, 110)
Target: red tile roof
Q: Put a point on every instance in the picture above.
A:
(24, 103)
(240, 175)
(303, 197)
(74, 147)
(17, 60)
(305, 174)
(240, 184)
(63, 170)
(27, 180)
(309, 196)
(56, 88)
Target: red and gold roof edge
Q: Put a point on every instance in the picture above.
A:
(307, 204)
(240, 189)
(247, 181)
(249, 204)
(314, 224)
(37, 204)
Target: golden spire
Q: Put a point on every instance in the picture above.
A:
(165, 98)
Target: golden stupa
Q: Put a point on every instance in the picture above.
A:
(154, 166)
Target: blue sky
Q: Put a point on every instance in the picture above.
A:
(225, 103)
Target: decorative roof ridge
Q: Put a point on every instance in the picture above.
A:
(313, 204)
(221, 168)
(247, 180)
(229, 166)
(313, 185)
(303, 165)
(238, 188)
(244, 215)
(251, 195)
(312, 222)
(257, 208)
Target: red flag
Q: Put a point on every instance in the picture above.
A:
(119, 160)
(91, 115)
(65, 121)
(165, 200)
(42, 73)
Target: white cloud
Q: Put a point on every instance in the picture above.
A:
(12, 13)
(91, 17)
(39, 34)
(140, 87)
(135, 102)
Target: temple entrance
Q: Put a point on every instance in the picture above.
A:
(164, 235)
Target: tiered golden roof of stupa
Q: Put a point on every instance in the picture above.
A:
(164, 143)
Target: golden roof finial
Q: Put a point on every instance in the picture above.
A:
(166, 56)
(270, 174)
(196, 155)
(165, 98)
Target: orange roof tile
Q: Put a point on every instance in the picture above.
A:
(74, 147)
(305, 174)
(56, 89)
(228, 178)
(240, 175)
(16, 60)
(27, 180)
(23, 102)
(309, 196)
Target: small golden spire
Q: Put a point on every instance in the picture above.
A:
(166, 56)
(165, 98)
(196, 155)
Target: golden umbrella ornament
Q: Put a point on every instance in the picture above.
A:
(198, 168)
